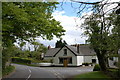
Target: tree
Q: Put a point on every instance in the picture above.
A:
(24, 21)
(97, 26)
(60, 43)
(21, 45)
(36, 45)
(97, 38)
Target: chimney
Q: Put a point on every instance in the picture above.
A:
(78, 46)
(49, 47)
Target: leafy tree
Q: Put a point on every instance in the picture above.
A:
(36, 54)
(60, 43)
(97, 38)
(103, 35)
(36, 45)
(21, 45)
(24, 21)
(98, 28)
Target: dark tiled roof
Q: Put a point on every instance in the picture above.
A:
(74, 49)
(51, 52)
(84, 50)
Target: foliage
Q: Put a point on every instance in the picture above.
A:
(24, 21)
(7, 70)
(96, 67)
(37, 53)
(103, 35)
(100, 28)
(92, 76)
(36, 45)
(86, 64)
(41, 48)
(113, 72)
(60, 43)
(116, 64)
(7, 53)
(21, 60)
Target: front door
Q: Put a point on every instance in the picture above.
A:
(65, 62)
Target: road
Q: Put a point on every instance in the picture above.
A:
(23, 72)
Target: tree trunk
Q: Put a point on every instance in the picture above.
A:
(101, 60)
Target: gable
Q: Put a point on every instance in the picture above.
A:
(84, 50)
(69, 52)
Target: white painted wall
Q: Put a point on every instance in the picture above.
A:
(88, 59)
(61, 54)
(80, 60)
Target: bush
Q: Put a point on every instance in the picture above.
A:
(86, 64)
(21, 60)
(8, 70)
(96, 67)
(116, 64)
(113, 72)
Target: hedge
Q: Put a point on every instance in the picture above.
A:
(96, 67)
(86, 64)
(8, 70)
(21, 60)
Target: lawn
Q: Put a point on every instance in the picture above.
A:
(97, 75)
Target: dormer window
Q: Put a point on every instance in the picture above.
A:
(65, 52)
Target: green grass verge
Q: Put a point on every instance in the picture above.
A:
(96, 75)
(8, 70)
(26, 64)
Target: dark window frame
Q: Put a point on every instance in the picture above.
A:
(70, 60)
(61, 60)
(94, 61)
(65, 52)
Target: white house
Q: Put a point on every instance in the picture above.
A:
(71, 55)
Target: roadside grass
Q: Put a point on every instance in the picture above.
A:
(96, 75)
(0, 71)
(33, 61)
(26, 64)
(8, 70)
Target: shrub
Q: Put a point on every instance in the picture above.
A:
(21, 60)
(8, 70)
(96, 67)
(86, 64)
(113, 72)
(116, 63)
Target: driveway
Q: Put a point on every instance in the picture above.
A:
(40, 73)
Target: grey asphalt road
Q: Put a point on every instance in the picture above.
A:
(23, 72)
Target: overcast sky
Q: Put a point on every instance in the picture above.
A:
(70, 22)
(67, 15)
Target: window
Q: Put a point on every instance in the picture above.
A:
(70, 60)
(111, 58)
(93, 60)
(60, 60)
(65, 52)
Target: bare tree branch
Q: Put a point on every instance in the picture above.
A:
(92, 3)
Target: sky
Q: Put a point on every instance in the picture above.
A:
(67, 15)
